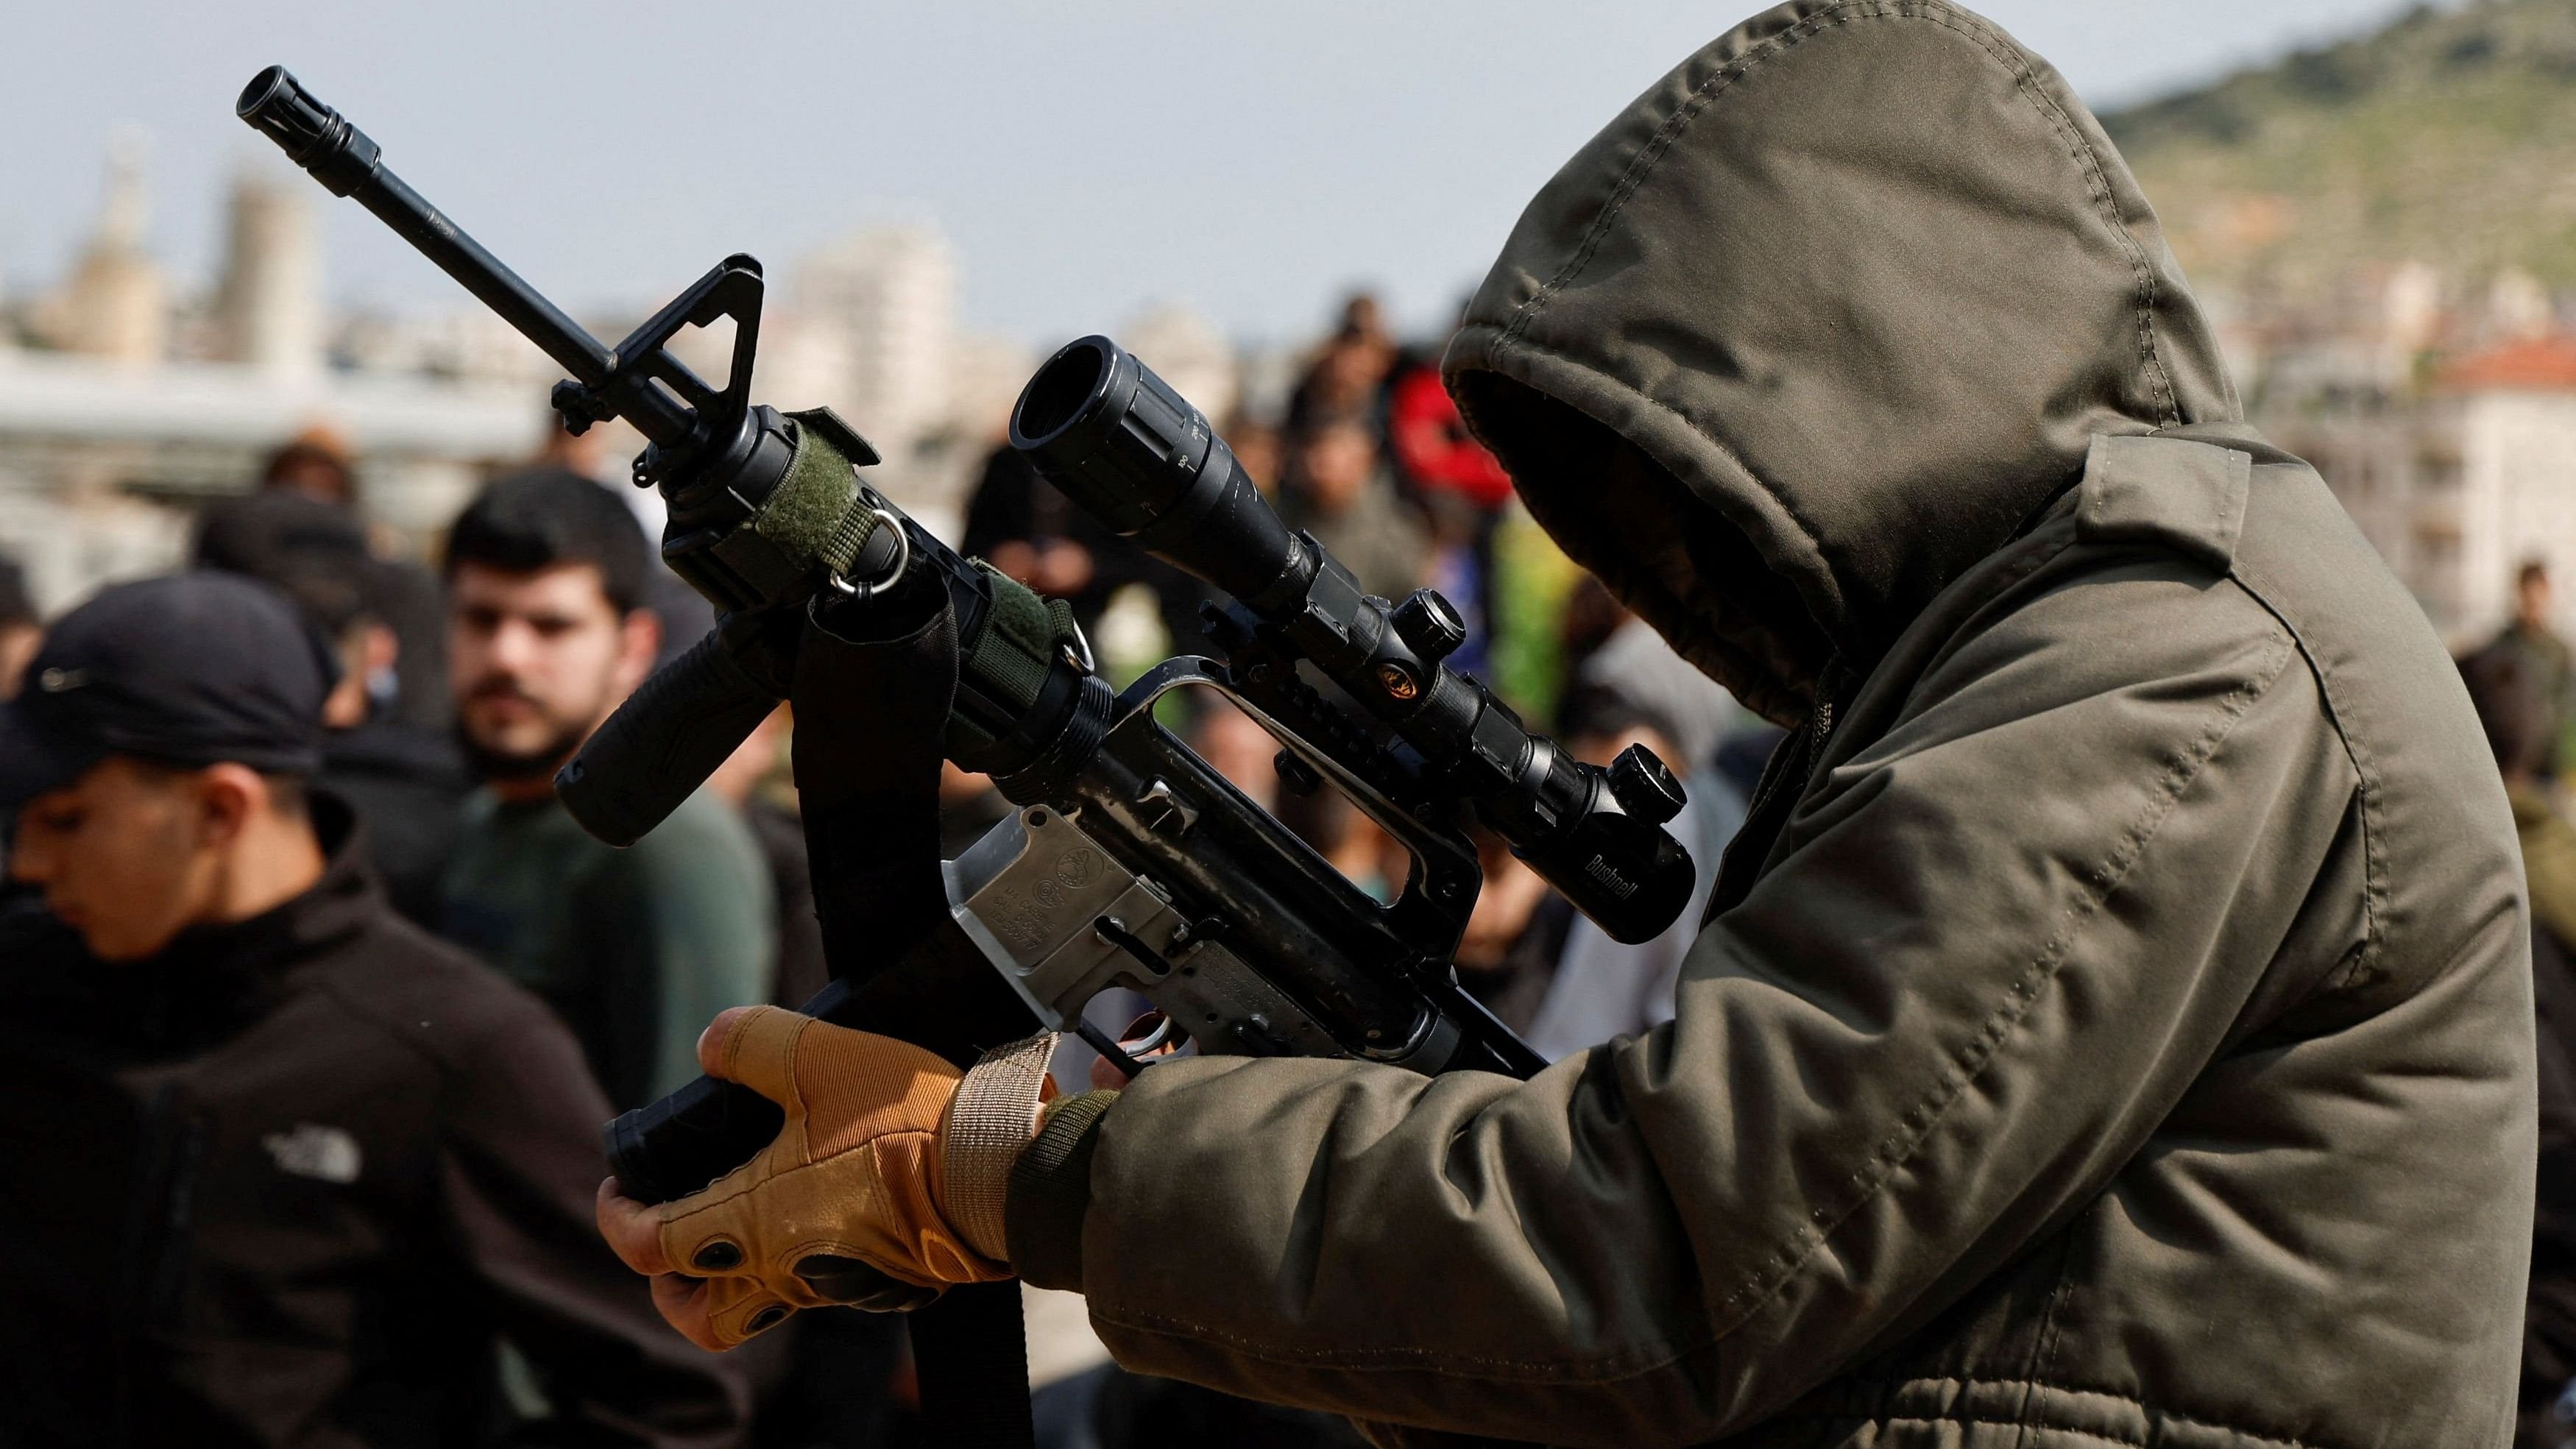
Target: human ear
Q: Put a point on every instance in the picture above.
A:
(226, 797)
(639, 639)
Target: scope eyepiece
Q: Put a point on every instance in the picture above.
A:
(312, 135)
(1121, 443)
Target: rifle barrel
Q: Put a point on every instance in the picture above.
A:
(348, 163)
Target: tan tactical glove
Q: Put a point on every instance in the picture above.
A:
(884, 1187)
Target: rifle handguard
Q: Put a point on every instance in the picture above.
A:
(664, 742)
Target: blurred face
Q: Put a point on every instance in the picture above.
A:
(1347, 373)
(537, 661)
(128, 856)
(316, 477)
(1239, 749)
(2532, 601)
(1338, 464)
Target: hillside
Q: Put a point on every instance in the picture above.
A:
(2447, 137)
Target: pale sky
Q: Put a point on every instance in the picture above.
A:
(1085, 160)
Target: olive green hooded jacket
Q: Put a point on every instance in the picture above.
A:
(2114, 1025)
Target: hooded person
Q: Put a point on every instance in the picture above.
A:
(2113, 1024)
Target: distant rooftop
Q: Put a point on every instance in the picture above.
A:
(52, 394)
(2540, 364)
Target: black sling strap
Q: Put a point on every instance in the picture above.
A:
(870, 718)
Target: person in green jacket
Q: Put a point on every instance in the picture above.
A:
(2113, 1025)
(634, 948)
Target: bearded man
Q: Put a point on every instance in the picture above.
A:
(547, 633)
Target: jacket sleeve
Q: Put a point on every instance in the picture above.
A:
(521, 1158)
(1992, 948)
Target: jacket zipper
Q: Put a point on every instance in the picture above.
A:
(158, 1220)
(1783, 780)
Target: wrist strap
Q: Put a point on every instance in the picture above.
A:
(990, 1122)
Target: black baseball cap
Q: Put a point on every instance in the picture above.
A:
(192, 669)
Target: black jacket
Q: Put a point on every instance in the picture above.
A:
(407, 786)
(286, 1182)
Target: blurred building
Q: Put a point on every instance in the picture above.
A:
(116, 302)
(985, 375)
(2457, 469)
(465, 344)
(136, 400)
(138, 404)
(268, 302)
(936, 479)
(889, 295)
(2516, 495)
(103, 465)
(1190, 354)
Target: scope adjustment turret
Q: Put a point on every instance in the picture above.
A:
(1429, 625)
(1644, 786)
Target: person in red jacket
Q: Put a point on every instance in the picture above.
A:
(1432, 445)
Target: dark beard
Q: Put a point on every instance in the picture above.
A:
(512, 767)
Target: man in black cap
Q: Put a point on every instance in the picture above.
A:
(282, 1168)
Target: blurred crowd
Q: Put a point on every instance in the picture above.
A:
(336, 1174)
(313, 997)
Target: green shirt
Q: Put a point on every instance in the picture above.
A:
(635, 948)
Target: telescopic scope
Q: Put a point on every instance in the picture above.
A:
(1098, 424)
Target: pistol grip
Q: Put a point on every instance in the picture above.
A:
(675, 1146)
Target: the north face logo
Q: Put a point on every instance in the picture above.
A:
(328, 1154)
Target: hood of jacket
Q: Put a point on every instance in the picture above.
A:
(1821, 320)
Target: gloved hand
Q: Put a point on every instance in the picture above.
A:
(883, 1188)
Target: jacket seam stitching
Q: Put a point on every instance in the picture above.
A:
(1917, 1124)
(2374, 891)
(1651, 155)
(2043, 552)
(2043, 1340)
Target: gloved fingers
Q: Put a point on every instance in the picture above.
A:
(717, 1313)
(738, 1308)
(682, 1302)
(711, 1041)
(757, 1048)
(633, 1230)
(853, 1283)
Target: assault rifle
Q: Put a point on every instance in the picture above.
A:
(1129, 861)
